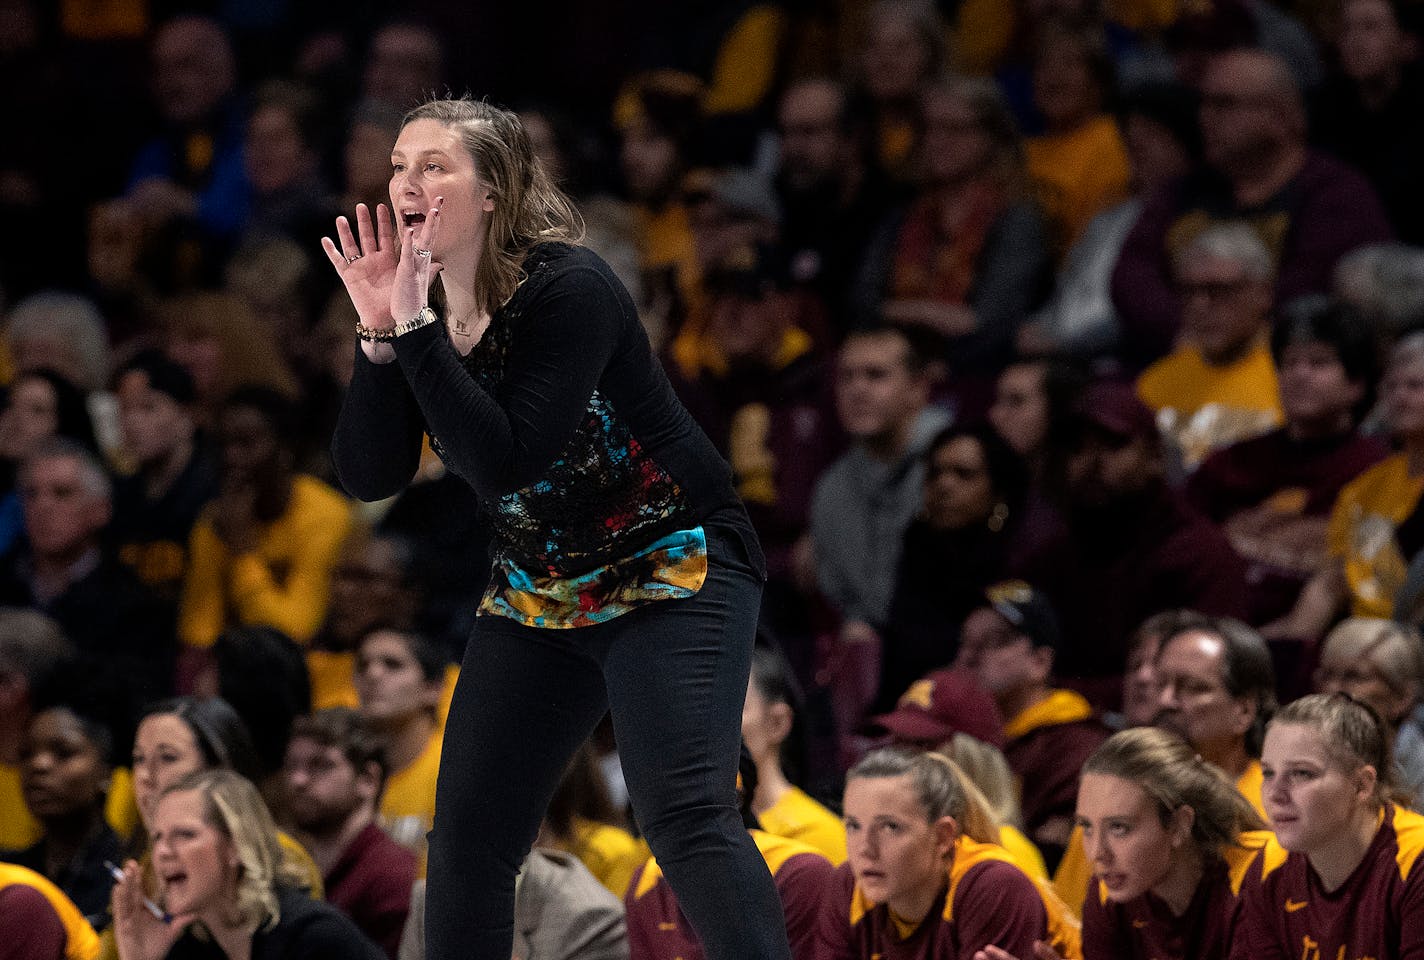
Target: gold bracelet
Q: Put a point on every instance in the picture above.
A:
(374, 336)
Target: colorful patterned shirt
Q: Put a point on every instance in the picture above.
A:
(565, 425)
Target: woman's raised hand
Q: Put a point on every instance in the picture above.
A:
(138, 934)
(410, 291)
(366, 264)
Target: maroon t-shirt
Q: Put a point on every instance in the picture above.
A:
(1377, 913)
(990, 902)
(657, 930)
(371, 884)
(1302, 477)
(1112, 568)
(1248, 473)
(1145, 928)
(29, 927)
(1326, 210)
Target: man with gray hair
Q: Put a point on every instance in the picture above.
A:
(1219, 385)
(63, 571)
(1218, 692)
(1308, 207)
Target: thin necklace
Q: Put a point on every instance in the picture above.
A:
(461, 326)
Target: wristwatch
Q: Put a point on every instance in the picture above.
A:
(425, 317)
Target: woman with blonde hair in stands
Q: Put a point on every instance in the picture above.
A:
(226, 890)
(1380, 662)
(926, 876)
(181, 737)
(211, 336)
(985, 766)
(1170, 839)
(1343, 874)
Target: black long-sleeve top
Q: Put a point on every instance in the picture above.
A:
(306, 930)
(560, 418)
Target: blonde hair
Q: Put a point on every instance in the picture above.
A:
(528, 208)
(1355, 736)
(249, 355)
(985, 766)
(1171, 773)
(270, 269)
(942, 788)
(232, 805)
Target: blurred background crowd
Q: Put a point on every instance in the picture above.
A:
(1038, 333)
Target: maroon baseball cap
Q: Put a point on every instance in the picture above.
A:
(938, 706)
(1115, 407)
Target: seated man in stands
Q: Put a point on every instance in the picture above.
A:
(1219, 385)
(1130, 545)
(334, 772)
(1218, 691)
(400, 680)
(865, 500)
(1308, 207)
(1009, 644)
(64, 571)
(372, 583)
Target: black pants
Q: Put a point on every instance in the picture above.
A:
(674, 675)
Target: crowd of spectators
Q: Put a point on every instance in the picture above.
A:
(1068, 355)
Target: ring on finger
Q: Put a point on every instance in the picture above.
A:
(355, 258)
(422, 253)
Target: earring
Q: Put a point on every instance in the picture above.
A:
(998, 516)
